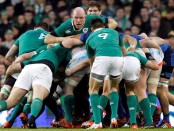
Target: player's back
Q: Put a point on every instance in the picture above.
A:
(31, 40)
(105, 42)
(55, 55)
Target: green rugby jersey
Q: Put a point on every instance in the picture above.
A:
(67, 28)
(142, 59)
(31, 40)
(104, 42)
(55, 55)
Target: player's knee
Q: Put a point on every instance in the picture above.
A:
(153, 81)
(3, 96)
(160, 92)
(29, 97)
(115, 80)
(106, 92)
(11, 103)
(71, 82)
(40, 92)
(93, 90)
(5, 92)
(163, 84)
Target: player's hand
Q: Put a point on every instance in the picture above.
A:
(143, 35)
(49, 39)
(68, 72)
(132, 49)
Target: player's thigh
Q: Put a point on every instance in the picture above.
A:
(100, 67)
(15, 96)
(131, 69)
(116, 66)
(42, 77)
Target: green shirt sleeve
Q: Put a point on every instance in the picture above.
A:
(143, 60)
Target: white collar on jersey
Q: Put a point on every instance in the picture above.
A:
(98, 29)
(38, 28)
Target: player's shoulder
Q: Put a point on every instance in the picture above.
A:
(109, 30)
(67, 22)
(93, 16)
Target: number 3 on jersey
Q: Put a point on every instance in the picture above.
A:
(103, 35)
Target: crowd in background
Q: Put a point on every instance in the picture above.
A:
(154, 17)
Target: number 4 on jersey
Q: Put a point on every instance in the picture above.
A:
(42, 36)
(103, 35)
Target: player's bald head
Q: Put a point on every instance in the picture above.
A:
(79, 17)
(78, 11)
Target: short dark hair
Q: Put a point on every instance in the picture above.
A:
(94, 3)
(28, 11)
(42, 25)
(97, 23)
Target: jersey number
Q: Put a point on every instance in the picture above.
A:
(103, 35)
(42, 36)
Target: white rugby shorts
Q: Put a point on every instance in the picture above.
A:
(131, 69)
(35, 74)
(105, 65)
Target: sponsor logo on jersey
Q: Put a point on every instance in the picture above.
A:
(85, 30)
(68, 31)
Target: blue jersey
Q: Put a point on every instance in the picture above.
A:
(168, 54)
(137, 37)
(84, 36)
(169, 61)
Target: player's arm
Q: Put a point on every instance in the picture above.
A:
(90, 53)
(58, 35)
(149, 43)
(112, 23)
(131, 41)
(78, 36)
(11, 53)
(156, 40)
(24, 57)
(80, 66)
(70, 42)
(144, 35)
(27, 56)
(152, 64)
(14, 68)
(50, 39)
(124, 51)
(123, 48)
(91, 61)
